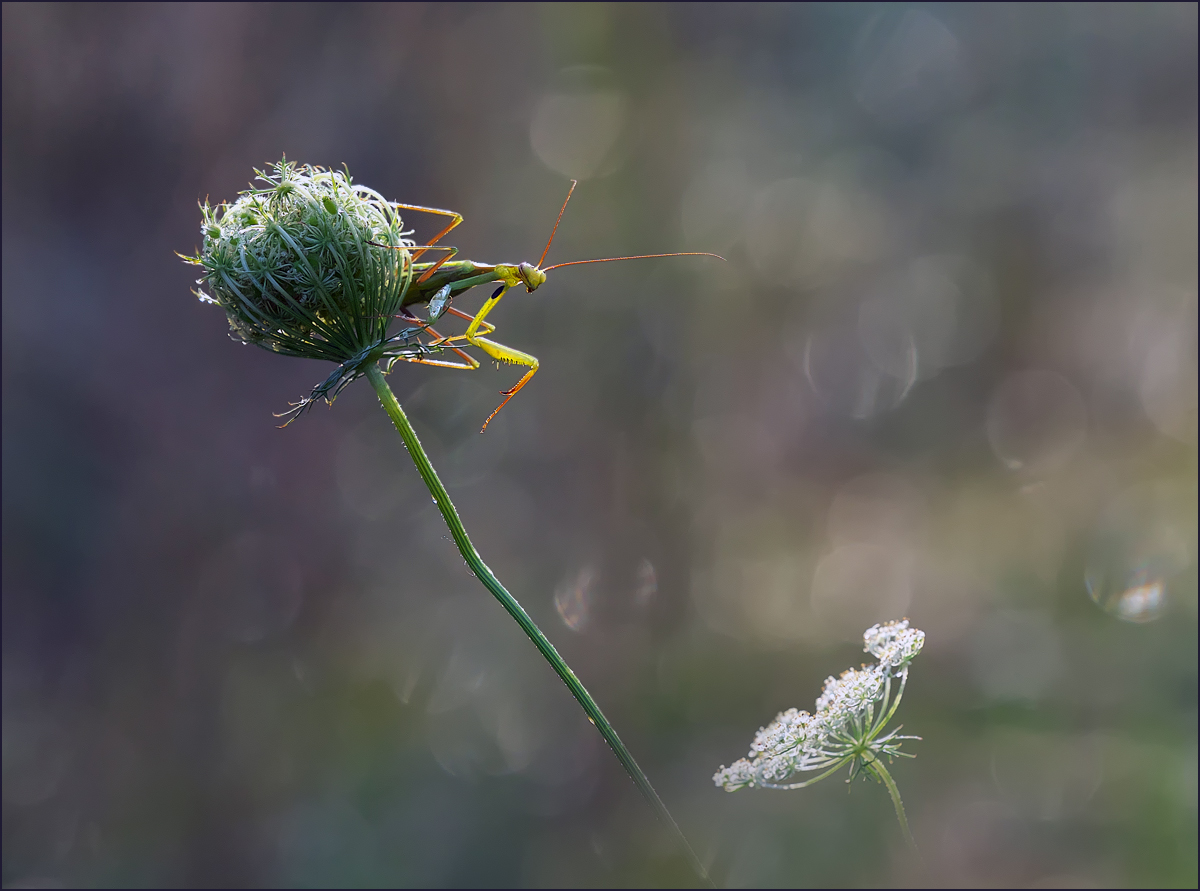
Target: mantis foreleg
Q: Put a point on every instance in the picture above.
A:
(499, 351)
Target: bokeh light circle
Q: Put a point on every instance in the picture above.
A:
(846, 379)
(1036, 421)
(575, 130)
(1139, 552)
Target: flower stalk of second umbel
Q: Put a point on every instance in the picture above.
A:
(316, 266)
(847, 729)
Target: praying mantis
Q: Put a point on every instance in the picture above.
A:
(440, 282)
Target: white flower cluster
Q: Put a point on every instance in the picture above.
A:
(844, 727)
(893, 643)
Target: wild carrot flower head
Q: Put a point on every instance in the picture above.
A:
(847, 727)
(307, 266)
(893, 643)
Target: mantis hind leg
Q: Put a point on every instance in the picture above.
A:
(440, 363)
(440, 341)
(456, 218)
(470, 364)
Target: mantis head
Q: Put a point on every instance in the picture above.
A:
(530, 276)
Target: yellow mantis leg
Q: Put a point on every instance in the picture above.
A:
(499, 351)
(450, 310)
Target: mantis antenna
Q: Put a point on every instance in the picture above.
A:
(553, 231)
(574, 183)
(638, 257)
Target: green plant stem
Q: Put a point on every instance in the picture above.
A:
(390, 404)
(876, 767)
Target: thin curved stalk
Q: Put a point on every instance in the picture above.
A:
(876, 767)
(789, 786)
(390, 404)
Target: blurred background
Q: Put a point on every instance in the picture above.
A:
(948, 372)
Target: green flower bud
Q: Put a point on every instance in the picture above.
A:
(293, 265)
(308, 267)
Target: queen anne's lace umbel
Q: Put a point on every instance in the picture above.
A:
(847, 727)
(312, 265)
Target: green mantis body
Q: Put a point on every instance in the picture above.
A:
(438, 283)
